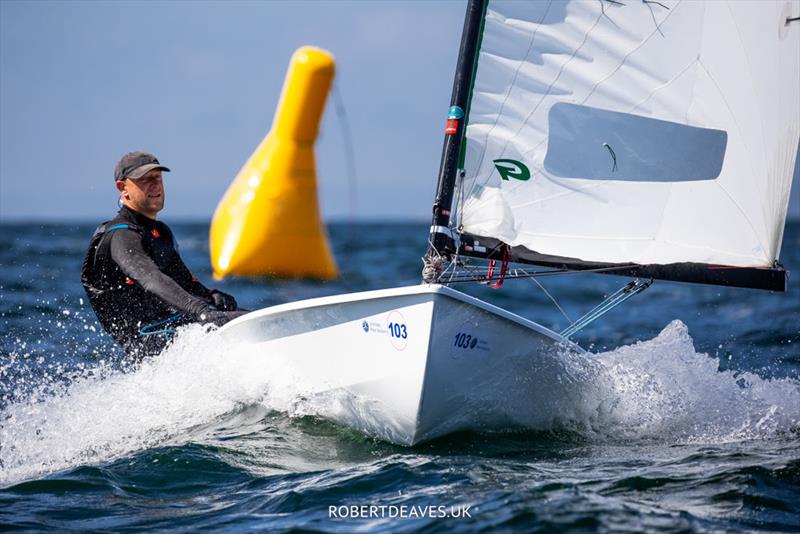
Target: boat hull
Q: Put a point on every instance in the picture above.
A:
(411, 364)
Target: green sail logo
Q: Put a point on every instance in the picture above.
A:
(511, 168)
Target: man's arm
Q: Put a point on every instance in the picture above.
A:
(189, 282)
(128, 253)
(183, 275)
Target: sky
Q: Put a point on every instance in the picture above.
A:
(196, 83)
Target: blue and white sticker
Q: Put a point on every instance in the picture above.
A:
(455, 112)
(373, 327)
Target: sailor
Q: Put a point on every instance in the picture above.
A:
(136, 282)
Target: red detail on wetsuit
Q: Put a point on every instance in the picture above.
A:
(128, 281)
(155, 233)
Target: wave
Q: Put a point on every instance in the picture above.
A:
(108, 413)
(661, 390)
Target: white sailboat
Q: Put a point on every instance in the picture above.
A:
(647, 139)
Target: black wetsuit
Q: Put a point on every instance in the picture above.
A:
(140, 288)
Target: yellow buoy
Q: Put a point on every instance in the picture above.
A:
(268, 222)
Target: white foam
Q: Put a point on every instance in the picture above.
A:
(661, 390)
(664, 390)
(111, 413)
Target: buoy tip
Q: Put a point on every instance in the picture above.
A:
(313, 56)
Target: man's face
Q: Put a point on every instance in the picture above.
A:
(145, 195)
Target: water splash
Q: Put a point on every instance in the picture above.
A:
(660, 390)
(108, 413)
(663, 389)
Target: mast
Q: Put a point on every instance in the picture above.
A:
(441, 242)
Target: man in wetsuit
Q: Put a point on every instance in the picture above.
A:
(136, 282)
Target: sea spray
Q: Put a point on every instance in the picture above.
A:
(664, 390)
(655, 391)
(108, 413)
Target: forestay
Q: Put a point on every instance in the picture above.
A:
(634, 132)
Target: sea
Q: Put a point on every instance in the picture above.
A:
(691, 421)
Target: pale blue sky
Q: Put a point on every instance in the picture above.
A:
(196, 83)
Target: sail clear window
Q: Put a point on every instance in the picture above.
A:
(593, 143)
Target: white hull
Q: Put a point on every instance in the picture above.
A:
(415, 363)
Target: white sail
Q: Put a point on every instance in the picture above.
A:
(653, 132)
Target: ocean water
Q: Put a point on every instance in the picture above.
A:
(694, 419)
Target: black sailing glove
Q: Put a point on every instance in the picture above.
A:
(219, 318)
(223, 301)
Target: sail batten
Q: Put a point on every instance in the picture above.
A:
(659, 133)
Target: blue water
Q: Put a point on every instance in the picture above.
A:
(694, 424)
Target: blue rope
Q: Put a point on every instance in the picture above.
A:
(148, 329)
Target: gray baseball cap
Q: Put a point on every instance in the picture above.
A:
(134, 165)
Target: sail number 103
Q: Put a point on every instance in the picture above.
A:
(465, 341)
(398, 330)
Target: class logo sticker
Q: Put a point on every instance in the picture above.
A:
(451, 127)
(511, 168)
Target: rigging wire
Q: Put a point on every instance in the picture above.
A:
(468, 274)
(440, 270)
(350, 165)
(633, 288)
(552, 299)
